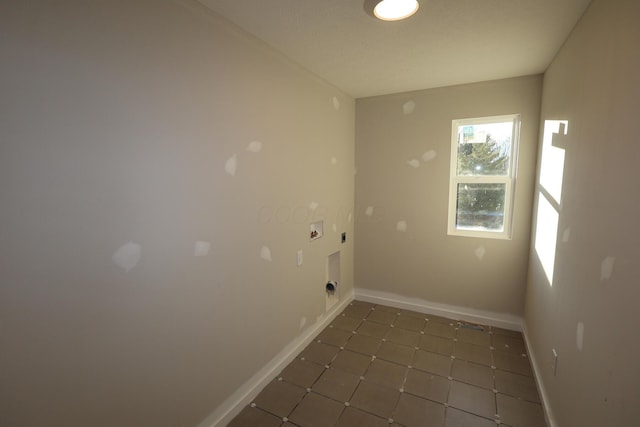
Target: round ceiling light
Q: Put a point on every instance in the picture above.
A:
(395, 10)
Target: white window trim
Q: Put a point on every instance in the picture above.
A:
(509, 180)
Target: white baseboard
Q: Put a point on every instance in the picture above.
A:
(500, 320)
(231, 407)
(542, 391)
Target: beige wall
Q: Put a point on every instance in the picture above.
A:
(424, 262)
(117, 121)
(594, 84)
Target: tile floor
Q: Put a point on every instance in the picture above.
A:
(382, 366)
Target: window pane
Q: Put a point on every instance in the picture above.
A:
(480, 207)
(484, 149)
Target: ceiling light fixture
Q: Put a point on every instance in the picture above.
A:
(395, 10)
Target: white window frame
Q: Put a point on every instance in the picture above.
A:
(508, 180)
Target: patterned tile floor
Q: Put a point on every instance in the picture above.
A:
(382, 366)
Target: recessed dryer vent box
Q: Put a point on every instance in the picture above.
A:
(316, 230)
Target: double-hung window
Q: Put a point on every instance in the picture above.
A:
(482, 177)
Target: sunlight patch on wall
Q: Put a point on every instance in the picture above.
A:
(546, 236)
(553, 151)
(552, 163)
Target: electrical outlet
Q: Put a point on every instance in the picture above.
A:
(554, 363)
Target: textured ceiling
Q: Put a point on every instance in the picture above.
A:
(447, 42)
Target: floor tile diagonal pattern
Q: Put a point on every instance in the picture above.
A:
(376, 365)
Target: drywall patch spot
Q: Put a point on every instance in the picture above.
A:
(303, 322)
(255, 146)
(334, 227)
(429, 155)
(265, 253)
(401, 226)
(408, 107)
(313, 206)
(201, 248)
(127, 256)
(350, 217)
(369, 211)
(334, 161)
(336, 103)
(580, 335)
(232, 165)
(480, 252)
(566, 235)
(414, 163)
(606, 268)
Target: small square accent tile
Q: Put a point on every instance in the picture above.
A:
(352, 417)
(427, 385)
(251, 417)
(414, 411)
(353, 363)
(376, 399)
(520, 413)
(396, 353)
(363, 344)
(317, 411)
(432, 362)
(458, 418)
(472, 399)
(336, 385)
(280, 397)
(403, 337)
